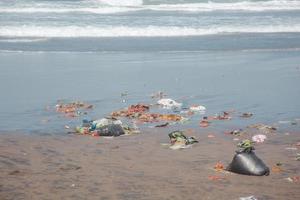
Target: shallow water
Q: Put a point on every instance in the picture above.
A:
(262, 82)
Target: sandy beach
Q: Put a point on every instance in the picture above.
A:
(230, 67)
(140, 167)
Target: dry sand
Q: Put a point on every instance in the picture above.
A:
(139, 167)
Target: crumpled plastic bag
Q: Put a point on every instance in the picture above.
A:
(246, 162)
(180, 141)
(104, 122)
(111, 130)
(105, 127)
(196, 108)
(169, 103)
(248, 198)
(259, 138)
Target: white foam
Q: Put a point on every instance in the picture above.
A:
(101, 10)
(122, 2)
(149, 31)
(117, 6)
(23, 40)
(231, 6)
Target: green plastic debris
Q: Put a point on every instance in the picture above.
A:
(179, 137)
(245, 146)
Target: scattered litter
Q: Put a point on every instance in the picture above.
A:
(170, 117)
(246, 115)
(169, 103)
(73, 109)
(104, 122)
(224, 116)
(264, 128)
(179, 141)
(236, 139)
(162, 125)
(211, 136)
(204, 122)
(293, 179)
(105, 127)
(197, 108)
(259, 138)
(246, 162)
(245, 146)
(297, 157)
(219, 167)
(248, 198)
(237, 132)
(132, 111)
(67, 127)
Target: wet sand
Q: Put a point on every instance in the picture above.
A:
(139, 167)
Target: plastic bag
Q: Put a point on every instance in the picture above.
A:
(246, 162)
(249, 164)
(111, 130)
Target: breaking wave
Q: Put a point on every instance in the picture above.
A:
(149, 31)
(117, 6)
(122, 2)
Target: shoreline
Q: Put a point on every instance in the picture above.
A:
(139, 167)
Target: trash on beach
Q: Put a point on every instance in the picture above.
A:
(259, 138)
(179, 141)
(236, 132)
(170, 117)
(155, 117)
(162, 125)
(216, 178)
(211, 136)
(169, 103)
(73, 109)
(219, 167)
(293, 179)
(110, 130)
(104, 122)
(246, 162)
(197, 108)
(132, 111)
(204, 122)
(224, 116)
(104, 127)
(248, 198)
(263, 128)
(246, 115)
(297, 157)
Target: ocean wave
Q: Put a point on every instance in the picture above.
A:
(149, 31)
(23, 40)
(101, 10)
(231, 6)
(116, 6)
(122, 2)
